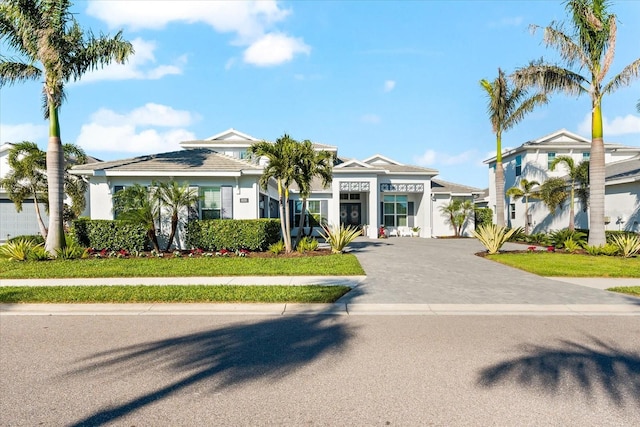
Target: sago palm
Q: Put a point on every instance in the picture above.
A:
(506, 106)
(578, 183)
(588, 54)
(524, 191)
(49, 45)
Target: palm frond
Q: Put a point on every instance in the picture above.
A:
(571, 52)
(17, 72)
(624, 78)
(550, 78)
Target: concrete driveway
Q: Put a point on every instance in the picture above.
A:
(447, 271)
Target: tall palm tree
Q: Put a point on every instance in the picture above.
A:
(506, 106)
(578, 178)
(591, 48)
(174, 198)
(310, 163)
(281, 166)
(524, 191)
(27, 178)
(51, 46)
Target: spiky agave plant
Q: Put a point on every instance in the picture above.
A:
(628, 245)
(339, 237)
(493, 236)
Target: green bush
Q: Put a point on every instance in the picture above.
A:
(538, 239)
(233, 234)
(307, 244)
(17, 250)
(112, 235)
(71, 251)
(571, 245)
(558, 237)
(35, 238)
(611, 234)
(483, 216)
(277, 247)
(608, 249)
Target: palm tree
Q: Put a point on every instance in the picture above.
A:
(50, 45)
(174, 198)
(140, 205)
(75, 186)
(525, 191)
(310, 163)
(281, 166)
(457, 211)
(591, 48)
(578, 179)
(506, 106)
(27, 178)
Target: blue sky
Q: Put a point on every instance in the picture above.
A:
(395, 78)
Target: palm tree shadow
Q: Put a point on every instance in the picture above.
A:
(227, 356)
(572, 367)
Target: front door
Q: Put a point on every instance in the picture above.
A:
(350, 214)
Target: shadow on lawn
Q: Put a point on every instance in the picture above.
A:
(226, 356)
(572, 367)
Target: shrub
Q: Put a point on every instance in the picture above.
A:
(34, 238)
(277, 247)
(112, 235)
(483, 216)
(558, 237)
(307, 244)
(628, 245)
(518, 235)
(72, 251)
(571, 245)
(233, 234)
(607, 249)
(538, 239)
(17, 250)
(613, 233)
(339, 237)
(493, 237)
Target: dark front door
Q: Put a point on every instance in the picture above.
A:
(350, 214)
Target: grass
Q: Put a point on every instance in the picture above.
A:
(629, 290)
(171, 294)
(330, 265)
(570, 265)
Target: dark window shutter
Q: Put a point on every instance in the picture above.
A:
(226, 196)
(324, 211)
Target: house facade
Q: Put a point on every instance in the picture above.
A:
(364, 193)
(532, 161)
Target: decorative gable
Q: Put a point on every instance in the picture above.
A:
(353, 164)
(380, 160)
(561, 137)
(232, 135)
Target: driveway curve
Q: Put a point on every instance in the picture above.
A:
(446, 271)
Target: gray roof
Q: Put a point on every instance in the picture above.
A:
(626, 169)
(440, 186)
(204, 159)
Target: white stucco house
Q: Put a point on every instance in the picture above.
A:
(531, 161)
(365, 193)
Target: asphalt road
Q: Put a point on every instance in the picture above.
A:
(319, 370)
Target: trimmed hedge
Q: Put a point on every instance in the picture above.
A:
(233, 234)
(483, 216)
(112, 235)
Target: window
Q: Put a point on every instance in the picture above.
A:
(512, 208)
(395, 211)
(117, 189)
(518, 165)
(586, 155)
(313, 212)
(245, 155)
(210, 203)
(349, 196)
(550, 158)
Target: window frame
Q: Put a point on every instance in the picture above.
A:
(201, 203)
(392, 203)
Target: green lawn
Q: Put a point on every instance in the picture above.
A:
(629, 290)
(330, 265)
(570, 265)
(171, 294)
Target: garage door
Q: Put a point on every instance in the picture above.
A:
(14, 224)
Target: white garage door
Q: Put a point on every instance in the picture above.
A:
(14, 224)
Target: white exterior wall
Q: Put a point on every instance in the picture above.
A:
(422, 207)
(622, 206)
(441, 225)
(371, 219)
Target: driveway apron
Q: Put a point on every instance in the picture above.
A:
(447, 271)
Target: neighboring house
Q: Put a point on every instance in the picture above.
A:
(365, 193)
(14, 223)
(442, 193)
(531, 160)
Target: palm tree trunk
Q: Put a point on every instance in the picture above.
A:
(597, 235)
(174, 227)
(526, 215)
(287, 222)
(55, 182)
(303, 210)
(499, 176)
(43, 228)
(283, 225)
(572, 211)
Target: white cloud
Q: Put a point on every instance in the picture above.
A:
(628, 124)
(252, 23)
(389, 85)
(432, 157)
(509, 21)
(22, 132)
(273, 49)
(370, 118)
(140, 66)
(133, 132)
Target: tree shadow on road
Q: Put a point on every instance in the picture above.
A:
(572, 367)
(226, 357)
